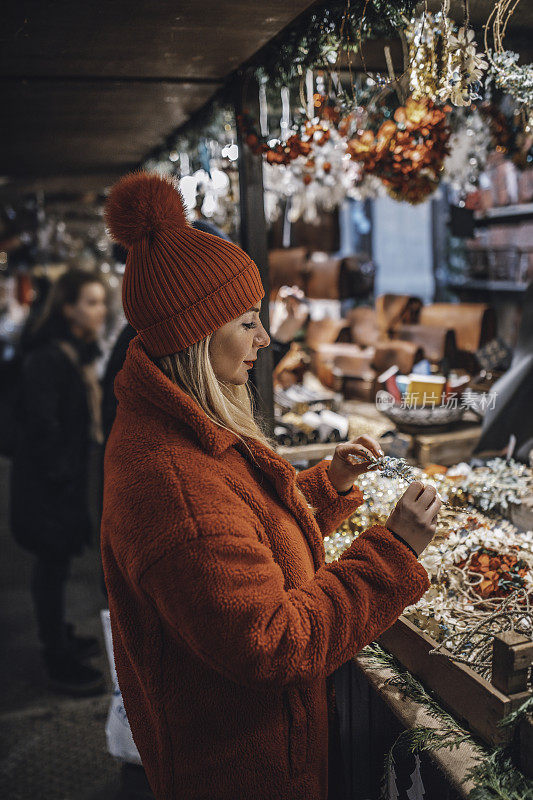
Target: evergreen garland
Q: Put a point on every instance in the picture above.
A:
(314, 39)
(495, 776)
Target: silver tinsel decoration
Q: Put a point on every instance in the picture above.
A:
(388, 466)
(514, 79)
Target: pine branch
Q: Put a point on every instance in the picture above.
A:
(495, 777)
(514, 717)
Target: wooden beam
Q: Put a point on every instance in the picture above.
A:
(110, 79)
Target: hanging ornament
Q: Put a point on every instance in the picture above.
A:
(274, 150)
(417, 791)
(429, 59)
(407, 151)
(443, 66)
(289, 145)
(316, 183)
(511, 77)
(465, 71)
(469, 147)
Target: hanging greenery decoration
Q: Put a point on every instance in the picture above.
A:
(314, 39)
(513, 78)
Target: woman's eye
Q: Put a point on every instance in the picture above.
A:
(248, 325)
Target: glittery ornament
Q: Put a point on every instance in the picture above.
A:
(407, 151)
(443, 66)
(465, 69)
(515, 79)
(480, 566)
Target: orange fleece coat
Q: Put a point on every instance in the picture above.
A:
(226, 620)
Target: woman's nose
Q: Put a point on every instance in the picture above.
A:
(262, 339)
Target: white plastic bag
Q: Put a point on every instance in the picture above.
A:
(120, 742)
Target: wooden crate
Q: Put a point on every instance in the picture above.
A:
(522, 515)
(445, 448)
(469, 697)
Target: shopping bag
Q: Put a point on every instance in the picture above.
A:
(120, 742)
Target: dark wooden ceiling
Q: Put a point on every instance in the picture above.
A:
(90, 87)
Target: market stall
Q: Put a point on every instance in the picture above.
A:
(468, 642)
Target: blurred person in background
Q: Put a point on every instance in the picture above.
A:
(58, 415)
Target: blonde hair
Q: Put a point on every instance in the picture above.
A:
(231, 407)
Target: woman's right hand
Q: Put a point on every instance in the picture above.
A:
(414, 517)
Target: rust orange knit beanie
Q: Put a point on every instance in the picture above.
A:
(180, 284)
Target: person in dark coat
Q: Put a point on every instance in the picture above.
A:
(59, 412)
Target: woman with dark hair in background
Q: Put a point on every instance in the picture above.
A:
(58, 414)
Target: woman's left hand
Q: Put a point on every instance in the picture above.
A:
(342, 472)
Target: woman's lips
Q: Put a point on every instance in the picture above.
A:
(249, 364)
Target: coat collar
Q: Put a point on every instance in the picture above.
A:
(140, 376)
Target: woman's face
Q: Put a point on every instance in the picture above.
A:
(88, 314)
(233, 347)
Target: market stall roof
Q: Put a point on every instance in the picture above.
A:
(89, 88)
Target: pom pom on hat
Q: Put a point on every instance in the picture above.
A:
(141, 204)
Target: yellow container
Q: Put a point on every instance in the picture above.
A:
(424, 390)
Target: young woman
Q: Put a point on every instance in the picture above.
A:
(226, 621)
(58, 415)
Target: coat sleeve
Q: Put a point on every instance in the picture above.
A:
(331, 507)
(41, 398)
(222, 593)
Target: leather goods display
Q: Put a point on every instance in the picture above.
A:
(396, 309)
(362, 323)
(511, 413)
(321, 276)
(316, 273)
(348, 354)
(474, 325)
(286, 268)
(438, 343)
(357, 275)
